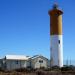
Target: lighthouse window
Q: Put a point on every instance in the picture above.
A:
(59, 41)
(51, 48)
(56, 14)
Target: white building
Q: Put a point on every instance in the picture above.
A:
(39, 61)
(15, 61)
(11, 62)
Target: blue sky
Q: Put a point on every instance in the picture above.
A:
(24, 27)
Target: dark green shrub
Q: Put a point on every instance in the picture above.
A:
(1, 70)
(21, 70)
(55, 68)
(68, 68)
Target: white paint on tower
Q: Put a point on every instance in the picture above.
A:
(56, 46)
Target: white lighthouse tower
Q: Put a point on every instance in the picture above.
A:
(56, 40)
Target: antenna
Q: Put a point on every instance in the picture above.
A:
(55, 6)
(70, 61)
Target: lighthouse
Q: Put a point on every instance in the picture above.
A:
(56, 36)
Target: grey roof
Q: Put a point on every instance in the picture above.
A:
(36, 56)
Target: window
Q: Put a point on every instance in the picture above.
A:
(51, 48)
(40, 61)
(16, 61)
(56, 14)
(59, 41)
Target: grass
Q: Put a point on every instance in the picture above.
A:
(67, 70)
(39, 73)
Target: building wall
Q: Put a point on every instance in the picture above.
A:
(37, 64)
(15, 64)
(1, 63)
